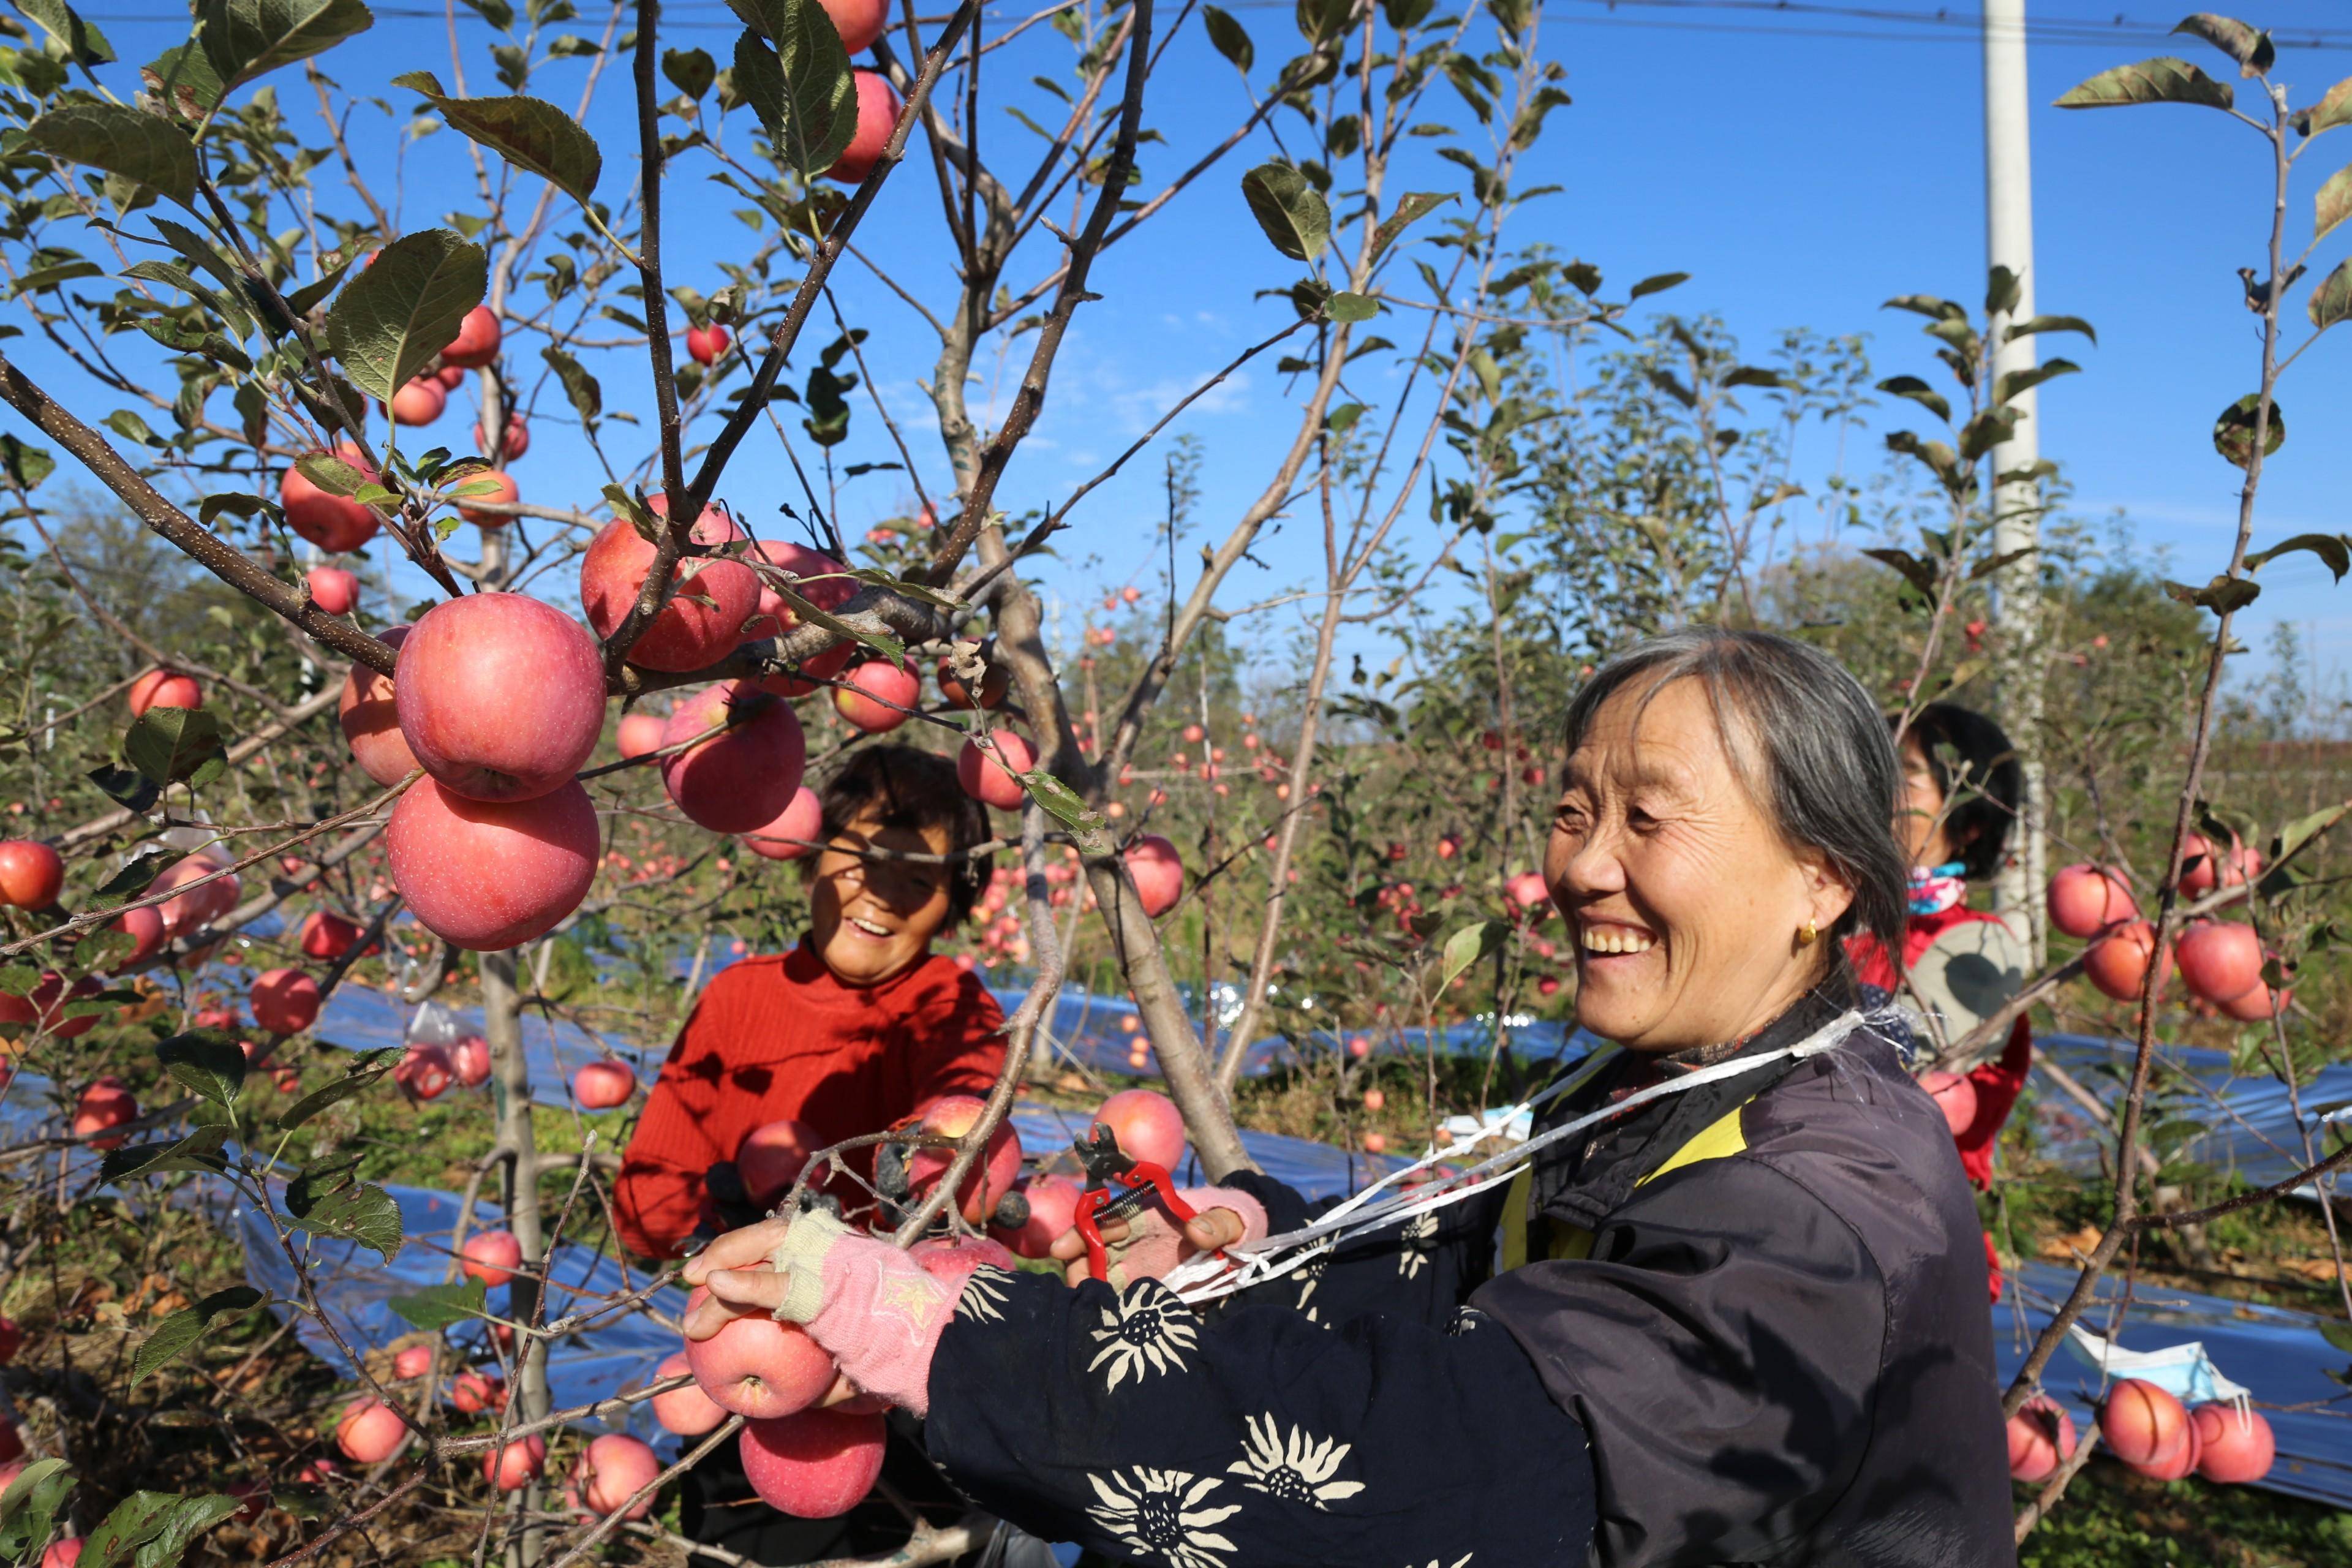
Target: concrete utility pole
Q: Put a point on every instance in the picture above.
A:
(2017, 505)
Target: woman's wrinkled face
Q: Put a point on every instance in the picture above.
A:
(872, 919)
(1685, 904)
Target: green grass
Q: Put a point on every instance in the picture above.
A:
(2112, 1519)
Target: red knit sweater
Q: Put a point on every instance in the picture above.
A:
(777, 1037)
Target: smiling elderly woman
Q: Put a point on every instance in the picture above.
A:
(1740, 1322)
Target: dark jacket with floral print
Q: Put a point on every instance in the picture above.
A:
(1768, 1345)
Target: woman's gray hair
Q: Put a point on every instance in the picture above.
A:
(1811, 745)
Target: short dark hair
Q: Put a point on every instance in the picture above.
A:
(1977, 769)
(907, 787)
(1827, 774)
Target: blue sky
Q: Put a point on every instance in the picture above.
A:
(1802, 165)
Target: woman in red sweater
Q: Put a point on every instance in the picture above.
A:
(858, 1027)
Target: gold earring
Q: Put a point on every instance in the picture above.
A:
(1809, 935)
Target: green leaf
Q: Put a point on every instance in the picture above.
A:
(331, 1200)
(174, 746)
(586, 394)
(2222, 594)
(1410, 209)
(2233, 432)
(2009, 383)
(1926, 305)
(888, 647)
(439, 1306)
(1529, 124)
(371, 1066)
(29, 1508)
(1657, 285)
(2050, 324)
(1468, 946)
(2333, 204)
(76, 39)
(247, 38)
(1920, 574)
(2334, 109)
(20, 979)
(2303, 830)
(2250, 46)
(1060, 802)
(154, 1530)
(2160, 81)
(1343, 418)
(691, 72)
(1985, 431)
(207, 1062)
(1320, 21)
(143, 148)
(187, 78)
(803, 92)
(199, 1151)
(2332, 300)
(331, 475)
(306, 298)
(529, 132)
(1349, 307)
(2338, 1334)
(175, 1334)
(26, 466)
(882, 579)
(1295, 220)
(391, 320)
(1918, 392)
(1230, 38)
(2335, 549)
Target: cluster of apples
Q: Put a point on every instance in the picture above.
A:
(2152, 1433)
(2220, 961)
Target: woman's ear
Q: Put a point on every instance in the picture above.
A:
(1828, 893)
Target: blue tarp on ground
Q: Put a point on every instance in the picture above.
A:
(2249, 1121)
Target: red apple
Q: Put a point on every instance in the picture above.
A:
(144, 925)
(284, 1001)
(1530, 892)
(31, 874)
(1052, 1210)
(1147, 1124)
(327, 936)
(878, 115)
(2180, 1464)
(425, 1071)
(688, 1411)
(992, 1176)
(2258, 1004)
(163, 689)
(793, 832)
(2118, 961)
(1375, 1101)
(859, 22)
(492, 875)
(614, 1469)
(2143, 1424)
(450, 376)
(413, 1361)
(515, 441)
(333, 590)
(988, 774)
(2084, 900)
(600, 1085)
(2235, 1446)
(12, 1340)
(712, 596)
(418, 402)
(63, 1552)
(706, 343)
(491, 1256)
(771, 1157)
(2220, 960)
(473, 1392)
(878, 696)
(191, 912)
(994, 686)
(513, 1465)
(819, 1464)
(500, 695)
(1955, 1096)
(477, 342)
(759, 1367)
(370, 1432)
(471, 1059)
(507, 493)
(639, 733)
(370, 718)
(741, 778)
(1158, 874)
(336, 524)
(2203, 867)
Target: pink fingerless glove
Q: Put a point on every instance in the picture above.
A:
(868, 1303)
(1154, 1243)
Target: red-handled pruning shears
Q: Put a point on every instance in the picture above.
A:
(1117, 1187)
